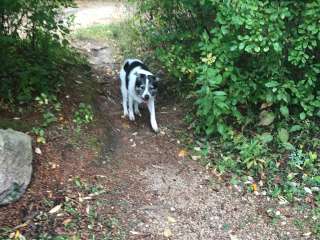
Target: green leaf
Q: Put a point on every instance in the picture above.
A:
(219, 93)
(233, 48)
(277, 47)
(266, 137)
(224, 30)
(266, 118)
(303, 116)
(295, 128)
(284, 111)
(288, 146)
(283, 135)
(209, 130)
(241, 46)
(272, 84)
(266, 49)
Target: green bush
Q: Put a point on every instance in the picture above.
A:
(251, 71)
(33, 47)
(239, 59)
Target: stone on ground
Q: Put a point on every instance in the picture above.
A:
(15, 165)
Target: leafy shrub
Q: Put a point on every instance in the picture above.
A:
(251, 70)
(34, 51)
(83, 115)
(238, 57)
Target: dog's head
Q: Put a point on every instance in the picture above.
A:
(146, 86)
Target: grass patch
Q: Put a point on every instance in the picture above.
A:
(124, 36)
(99, 32)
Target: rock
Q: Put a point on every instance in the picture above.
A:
(15, 165)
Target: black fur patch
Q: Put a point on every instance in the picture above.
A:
(129, 67)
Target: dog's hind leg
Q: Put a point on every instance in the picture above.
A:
(136, 108)
(152, 111)
(131, 114)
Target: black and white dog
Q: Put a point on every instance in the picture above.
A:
(138, 85)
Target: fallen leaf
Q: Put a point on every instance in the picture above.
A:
(195, 158)
(254, 187)
(67, 221)
(265, 105)
(88, 209)
(55, 209)
(38, 151)
(171, 220)
(307, 234)
(167, 232)
(125, 125)
(233, 237)
(54, 166)
(12, 235)
(183, 153)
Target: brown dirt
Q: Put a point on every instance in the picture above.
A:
(154, 192)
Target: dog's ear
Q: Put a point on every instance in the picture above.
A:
(154, 78)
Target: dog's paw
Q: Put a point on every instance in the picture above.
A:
(138, 113)
(125, 114)
(156, 130)
(131, 117)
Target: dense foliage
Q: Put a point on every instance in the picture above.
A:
(33, 48)
(251, 70)
(240, 59)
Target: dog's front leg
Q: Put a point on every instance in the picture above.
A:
(136, 108)
(131, 114)
(152, 111)
(124, 101)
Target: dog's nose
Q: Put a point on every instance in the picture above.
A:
(146, 97)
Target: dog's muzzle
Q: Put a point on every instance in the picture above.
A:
(146, 97)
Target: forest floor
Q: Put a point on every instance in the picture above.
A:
(116, 179)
